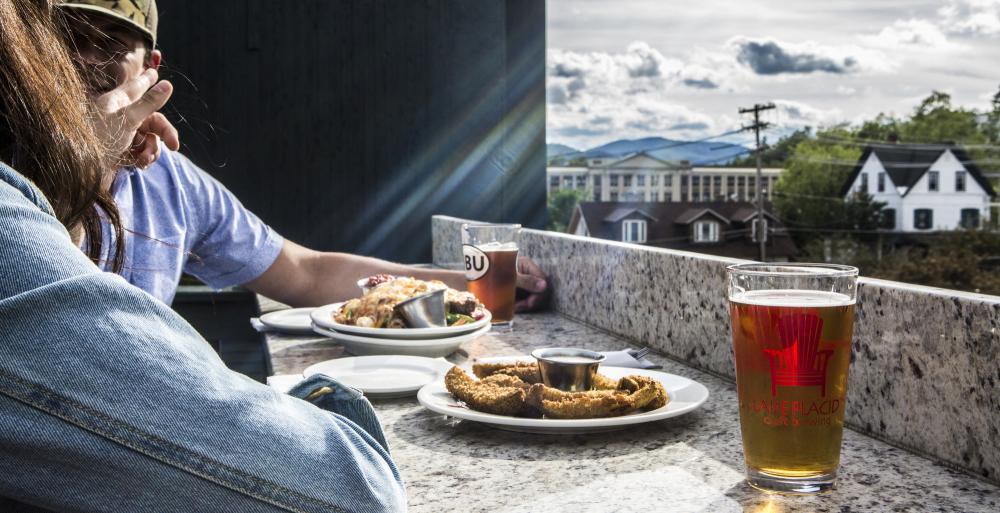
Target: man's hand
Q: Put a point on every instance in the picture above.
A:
(129, 123)
(531, 279)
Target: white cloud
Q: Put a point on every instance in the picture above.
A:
(980, 17)
(917, 34)
(595, 97)
(795, 114)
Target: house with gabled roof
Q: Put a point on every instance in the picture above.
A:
(925, 187)
(724, 228)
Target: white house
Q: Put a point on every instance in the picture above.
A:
(642, 177)
(924, 187)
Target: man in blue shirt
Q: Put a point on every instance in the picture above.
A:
(180, 219)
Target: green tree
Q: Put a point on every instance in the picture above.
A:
(561, 205)
(936, 121)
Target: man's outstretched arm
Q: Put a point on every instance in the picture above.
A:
(304, 277)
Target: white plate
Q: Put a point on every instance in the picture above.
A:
(685, 396)
(383, 376)
(292, 320)
(431, 348)
(323, 317)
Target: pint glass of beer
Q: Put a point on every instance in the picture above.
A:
(792, 326)
(489, 252)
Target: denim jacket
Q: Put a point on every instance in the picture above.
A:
(109, 401)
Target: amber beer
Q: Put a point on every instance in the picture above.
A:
(489, 252)
(496, 286)
(792, 350)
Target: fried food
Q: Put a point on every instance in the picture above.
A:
(515, 389)
(526, 371)
(501, 395)
(633, 393)
(602, 382)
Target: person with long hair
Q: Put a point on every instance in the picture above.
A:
(179, 219)
(109, 401)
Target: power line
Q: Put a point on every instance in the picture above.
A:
(860, 141)
(683, 143)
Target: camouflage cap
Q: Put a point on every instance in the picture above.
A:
(140, 14)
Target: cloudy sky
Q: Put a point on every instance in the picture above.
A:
(680, 69)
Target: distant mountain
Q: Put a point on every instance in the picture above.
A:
(554, 150)
(698, 153)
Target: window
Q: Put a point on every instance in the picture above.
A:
(654, 180)
(730, 183)
(753, 229)
(640, 180)
(881, 182)
(695, 181)
(597, 180)
(614, 196)
(614, 180)
(863, 183)
(634, 231)
(959, 181)
(970, 218)
(923, 218)
(628, 180)
(656, 196)
(706, 231)
(568, 181)
(887, 219)
(597, 195)
(717, 186)
(554, 182)
(597, 162)
(581, 182)
(932, 180)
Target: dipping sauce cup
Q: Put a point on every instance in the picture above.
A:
(568, 369)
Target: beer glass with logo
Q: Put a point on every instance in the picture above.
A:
(792, 327)
(489, 252)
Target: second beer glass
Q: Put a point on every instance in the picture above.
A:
(792, 327)
(489, 252)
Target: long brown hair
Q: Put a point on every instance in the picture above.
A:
(46, 131)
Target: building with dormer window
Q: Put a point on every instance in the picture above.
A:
(724, 228)
(924, 187)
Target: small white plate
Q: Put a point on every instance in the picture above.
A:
(383, 376)
(291, 320)
(323, 317)
(431, 348)
(685, 396)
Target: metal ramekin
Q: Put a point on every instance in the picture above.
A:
(570, 377)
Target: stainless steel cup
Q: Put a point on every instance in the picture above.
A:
(424, 311)
(568, 369)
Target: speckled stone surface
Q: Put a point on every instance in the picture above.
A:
(691, 463)
(925, 370)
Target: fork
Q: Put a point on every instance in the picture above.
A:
(640, 353)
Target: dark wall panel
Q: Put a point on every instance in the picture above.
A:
(346, 124)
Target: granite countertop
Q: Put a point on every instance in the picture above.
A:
(689, 463)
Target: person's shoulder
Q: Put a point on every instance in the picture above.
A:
(176, 167)
(17, 185)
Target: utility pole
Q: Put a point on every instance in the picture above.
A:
(757, 126)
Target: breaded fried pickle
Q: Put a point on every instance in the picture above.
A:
(515, 389)
(526, 371)
(501, 395)
(634, 393)
(602, 382)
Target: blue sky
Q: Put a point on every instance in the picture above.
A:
(636, 68)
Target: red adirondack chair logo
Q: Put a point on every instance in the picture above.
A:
(799, 363)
